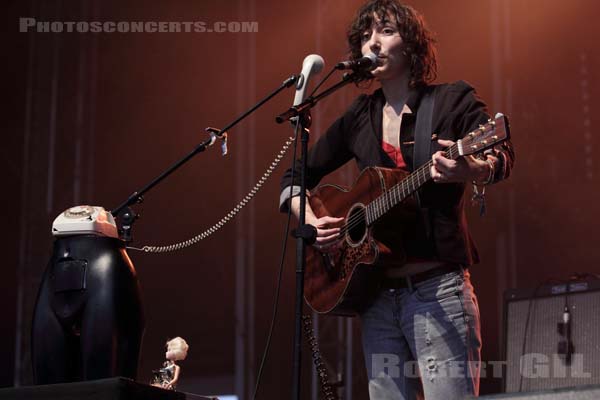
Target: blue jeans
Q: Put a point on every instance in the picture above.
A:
(424, 341)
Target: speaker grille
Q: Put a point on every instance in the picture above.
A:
(542, 367)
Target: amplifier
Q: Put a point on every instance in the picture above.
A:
(552, 336)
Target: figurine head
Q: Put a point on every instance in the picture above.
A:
(177, 349)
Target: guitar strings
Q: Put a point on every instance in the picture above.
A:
(381, 202)
(380, 205)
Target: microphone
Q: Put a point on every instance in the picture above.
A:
(366, 63)
(566, 316)
(565, 345)
(312, 64)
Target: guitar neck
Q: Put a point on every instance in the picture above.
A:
(399, 192)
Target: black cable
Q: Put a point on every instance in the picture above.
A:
(322, 81)
(566, 327)
(280, 276)
(527, 319)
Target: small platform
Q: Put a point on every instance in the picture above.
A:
(102, 389)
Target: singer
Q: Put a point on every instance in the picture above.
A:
(426, 311)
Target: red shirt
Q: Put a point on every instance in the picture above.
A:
(395, 154)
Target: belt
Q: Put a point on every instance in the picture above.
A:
(412, 280)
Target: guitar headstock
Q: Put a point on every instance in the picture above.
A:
(493, 132)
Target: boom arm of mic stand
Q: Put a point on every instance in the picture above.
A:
(311, 101)
(136, 197)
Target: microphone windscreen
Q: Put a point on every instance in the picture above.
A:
(373, 59)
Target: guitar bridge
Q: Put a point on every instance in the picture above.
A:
(331, 267)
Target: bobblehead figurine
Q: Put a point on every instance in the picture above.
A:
(168, 376)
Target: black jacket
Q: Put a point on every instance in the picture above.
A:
(358, 134)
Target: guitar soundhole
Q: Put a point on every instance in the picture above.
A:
(356, 223)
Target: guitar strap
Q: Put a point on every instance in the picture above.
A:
(422, 149)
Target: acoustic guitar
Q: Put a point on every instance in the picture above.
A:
(340, 279)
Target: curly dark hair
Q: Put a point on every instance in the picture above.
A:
(418, 40)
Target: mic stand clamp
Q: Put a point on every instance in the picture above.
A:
(305, 119)
(127, 217)
(307, 233)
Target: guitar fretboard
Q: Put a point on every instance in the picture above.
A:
(399, 192)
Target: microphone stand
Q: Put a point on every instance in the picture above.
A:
(305, 234)
(124, 211)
